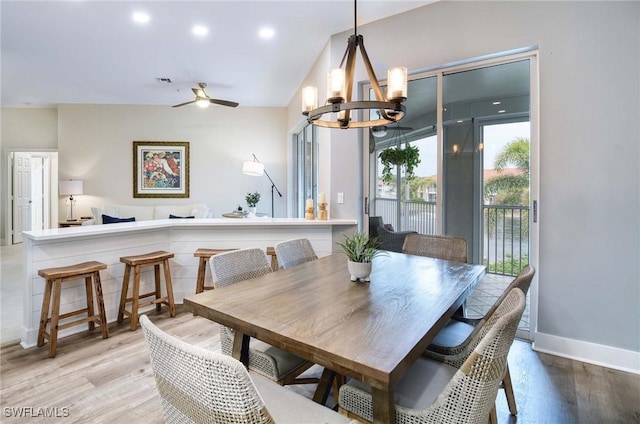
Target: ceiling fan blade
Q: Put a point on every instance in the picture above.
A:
(224, 102)
(199, 92)
(184, 104)
(400, 128)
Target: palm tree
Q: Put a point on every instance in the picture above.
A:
(511, 189)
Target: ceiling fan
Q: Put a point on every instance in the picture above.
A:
(381, 130)
(203, 100)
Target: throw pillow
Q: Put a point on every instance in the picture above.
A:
(106, 219)
(180, 217)
(388, 227)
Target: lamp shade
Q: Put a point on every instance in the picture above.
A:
(70, 187)
(253, 168)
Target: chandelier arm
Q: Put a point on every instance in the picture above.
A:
(372, 75)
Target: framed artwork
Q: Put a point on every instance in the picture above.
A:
(160, 169)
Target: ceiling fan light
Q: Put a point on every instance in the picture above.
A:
(203, 103)
(379, 132)
(397, 83)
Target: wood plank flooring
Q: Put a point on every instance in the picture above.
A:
(92, 380)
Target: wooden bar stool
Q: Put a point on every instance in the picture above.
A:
(54, 278)
(204, 255)
(274, 258)
(138, 262)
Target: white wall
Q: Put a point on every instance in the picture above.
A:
(589, 268)
(96, 145)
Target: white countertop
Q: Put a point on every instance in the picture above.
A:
(104, 229)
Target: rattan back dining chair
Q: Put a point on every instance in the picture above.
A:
(436, 246)
(455, 342)
(434, 392)
(294, 252)
(200, 386)
(276, 364)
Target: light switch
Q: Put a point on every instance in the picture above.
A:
(340, 197)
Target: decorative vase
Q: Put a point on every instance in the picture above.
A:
(360, 271)
(253, 209)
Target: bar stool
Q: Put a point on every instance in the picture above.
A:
(204, 255)
(138, 262)
(54, 278)
(271, 251)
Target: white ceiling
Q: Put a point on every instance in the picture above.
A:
(82, 51)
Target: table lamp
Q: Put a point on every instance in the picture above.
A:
(69, 188)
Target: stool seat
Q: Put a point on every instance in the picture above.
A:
(137, 262)
(73, 271)
(54, 278)
(147, 258)
(204, 255)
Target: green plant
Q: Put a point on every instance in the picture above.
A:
(252, 199)
(408, 158)
(360, 247)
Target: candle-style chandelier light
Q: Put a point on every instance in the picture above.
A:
(340, 90)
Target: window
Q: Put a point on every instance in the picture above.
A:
(306, 166)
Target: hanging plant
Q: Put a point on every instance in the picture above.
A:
(408, 158)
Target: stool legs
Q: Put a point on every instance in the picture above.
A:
(44, 314)
(202, 269)
(55, 317)
(136, 296)
(103, 313)
(89, 292)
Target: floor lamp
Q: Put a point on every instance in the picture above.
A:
(256, 169)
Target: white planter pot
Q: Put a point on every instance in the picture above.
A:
(359, 270)
(253, 209)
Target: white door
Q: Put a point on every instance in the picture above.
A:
(21, 195)
(37, 193)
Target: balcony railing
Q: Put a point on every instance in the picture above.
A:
(505, 230)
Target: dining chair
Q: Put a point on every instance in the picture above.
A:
(276, 364)
(200, 386)
(455, 342)
(435, 392)
(436, 246)
(294, 252)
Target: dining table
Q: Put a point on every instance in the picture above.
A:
(372, 331)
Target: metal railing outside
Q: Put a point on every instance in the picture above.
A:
(505, 239)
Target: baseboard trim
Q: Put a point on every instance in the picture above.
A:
(592, 353)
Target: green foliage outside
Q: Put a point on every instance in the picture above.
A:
(509, 266)
(511, 190)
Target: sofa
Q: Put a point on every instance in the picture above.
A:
(147, 213)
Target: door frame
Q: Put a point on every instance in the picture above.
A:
(7, 188)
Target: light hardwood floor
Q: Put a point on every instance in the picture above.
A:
(109, 381)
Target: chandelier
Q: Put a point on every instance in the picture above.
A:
(340, 90)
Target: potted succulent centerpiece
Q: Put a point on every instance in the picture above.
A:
(360, 249)
(408, 158)
(252, 201)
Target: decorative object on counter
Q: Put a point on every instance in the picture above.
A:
(252, 201)
(408, 158)
(256, 169)
(69, 188)
(323, 215)
(160, 169)
(308, 211)
(360, 249)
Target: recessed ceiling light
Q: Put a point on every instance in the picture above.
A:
(496, 103)
(502, 111)
(459, 121)
(200, 30)
(140, 17)
(266, 32)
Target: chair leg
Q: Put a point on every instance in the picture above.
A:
(156, 276)
(202, 268)
(167, 281)
(493, 415)
(55, 316)
(104, 327)
(88, 286)
(135, 298)
(44, 314)
(125, 291)
(508, 391)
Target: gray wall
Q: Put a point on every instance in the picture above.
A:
(589, 205)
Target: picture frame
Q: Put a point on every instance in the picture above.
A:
(160, 169)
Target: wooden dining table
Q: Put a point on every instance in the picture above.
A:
(371, 331)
